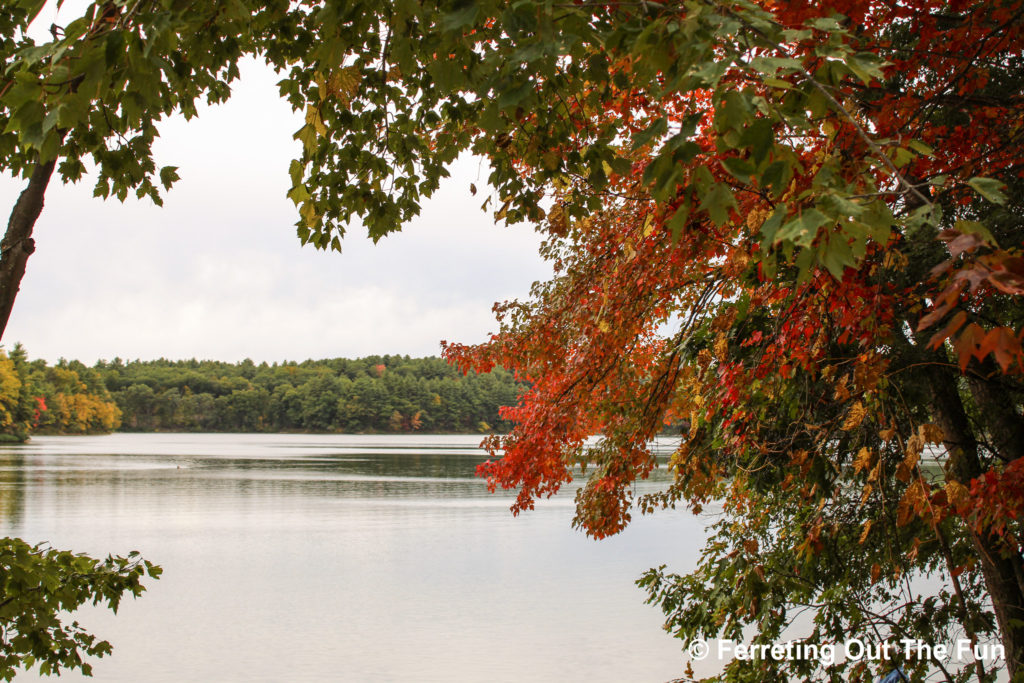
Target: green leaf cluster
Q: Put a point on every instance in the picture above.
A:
(39, 586)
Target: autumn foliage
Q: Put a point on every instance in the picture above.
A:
(806, 259)
(790, 232)
(35, 398)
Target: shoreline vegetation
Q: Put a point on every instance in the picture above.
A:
(385, 394)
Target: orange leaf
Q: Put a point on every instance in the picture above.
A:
(942, 335)
(966, 344)
(1007, 282)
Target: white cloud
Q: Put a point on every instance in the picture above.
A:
(219, 273)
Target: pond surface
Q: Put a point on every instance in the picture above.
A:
(343, 558)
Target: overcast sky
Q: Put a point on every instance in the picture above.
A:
(218, 272)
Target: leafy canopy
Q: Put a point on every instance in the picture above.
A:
(820, 202)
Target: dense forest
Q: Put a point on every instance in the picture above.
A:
(374, 394)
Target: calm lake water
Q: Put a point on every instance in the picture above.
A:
(343, 558)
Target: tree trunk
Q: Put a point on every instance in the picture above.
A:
(997, 412)
(17, 243)
(1000, 564)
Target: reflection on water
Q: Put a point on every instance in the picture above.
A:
(12, 501)
(348, 558)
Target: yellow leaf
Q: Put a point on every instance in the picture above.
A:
(308, 213)
(912, 503)
(863, 460)
(931, 433)
(321, 85)
(721, 347)
(756, 218)
(915, 444)
(558, 221)
(854, 417)
(867, 530)
(344, 84)
(503, 211)
(911, 460)
(648, 225)
(876, 471)
(739, 260)
(314, 119)
(958, 495)
(868, 488)
(894, 260)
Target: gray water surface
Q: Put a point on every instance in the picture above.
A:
(343, 558)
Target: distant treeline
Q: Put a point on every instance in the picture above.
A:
(390, 394)
(373, 394)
